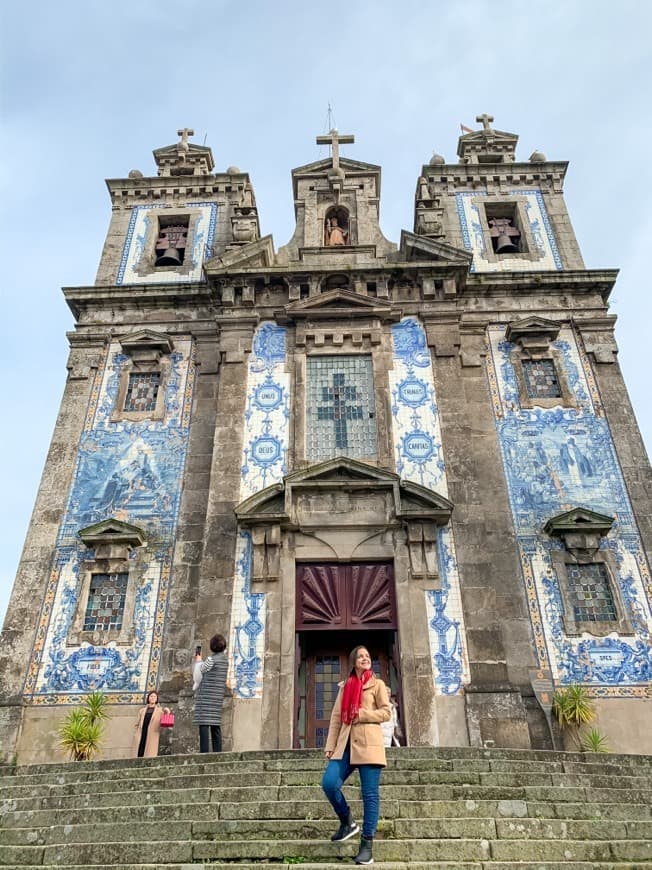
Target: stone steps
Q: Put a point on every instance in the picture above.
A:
(441, 808)
(265, 850)
(319, 810)
(386, 865)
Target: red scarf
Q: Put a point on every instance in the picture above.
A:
(352, 696)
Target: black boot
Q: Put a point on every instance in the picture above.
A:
(364, 855)
(348, 828)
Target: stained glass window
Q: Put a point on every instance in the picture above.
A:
(106, 602)
(142, 391)
(340, 407)
(590, 593)
(541, 380)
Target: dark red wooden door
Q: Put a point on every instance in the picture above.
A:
(335, 596)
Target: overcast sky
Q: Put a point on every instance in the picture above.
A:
(89, 89)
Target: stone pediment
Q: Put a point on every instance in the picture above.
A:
(255, 255)
(582, 520)
(146, 340)
(481, 136)
(410, 501)
(320, 167)
(338, 303)
(415, 247)
(112, 531)
(346, 502)
(531, 327)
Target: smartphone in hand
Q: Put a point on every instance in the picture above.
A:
(198, 650)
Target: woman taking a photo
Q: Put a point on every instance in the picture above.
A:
(355, 740)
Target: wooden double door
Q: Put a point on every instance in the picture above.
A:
(340, 606)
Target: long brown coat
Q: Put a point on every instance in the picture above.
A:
(153, 732)
(367, 744)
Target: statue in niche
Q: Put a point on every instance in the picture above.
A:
(247, 199)
(335, 234)
(423, 191)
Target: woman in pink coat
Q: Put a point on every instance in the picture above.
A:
(355, 741)
(149, 727)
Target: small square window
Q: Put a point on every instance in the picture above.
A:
(106, 602)
(541, 381)
(590, 593)
(142, 391)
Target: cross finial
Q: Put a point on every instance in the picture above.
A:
(335, 140)
(485, 120)
(184, 137)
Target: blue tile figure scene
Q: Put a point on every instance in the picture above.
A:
(130, 471)
(557, 459)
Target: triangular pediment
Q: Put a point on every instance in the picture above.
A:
(254, 255)
(339, 469)
(338, 302)
(146, 339)
(579, 520)
(532, 326)
(112, 531)
(173, 150)
(489, 136)
(411, 500)
(414, 247)
(325, 166)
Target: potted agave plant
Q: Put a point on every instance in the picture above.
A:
(81, 731)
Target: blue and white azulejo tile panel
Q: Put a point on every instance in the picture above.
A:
(143, 225)
(247, 646)
(264, 452)
(267, 413)
(418, 456)
(556, 459)
(468, 210)
(131, 471)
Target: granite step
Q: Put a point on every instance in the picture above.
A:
(279, 851)
(475, 809)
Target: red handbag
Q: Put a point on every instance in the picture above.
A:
(167, 720)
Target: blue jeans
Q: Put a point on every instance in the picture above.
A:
(337, 772)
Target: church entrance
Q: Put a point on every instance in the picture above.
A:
(340, 606)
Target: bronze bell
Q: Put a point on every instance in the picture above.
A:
(169, 257)
(506, 235)
(505, 245)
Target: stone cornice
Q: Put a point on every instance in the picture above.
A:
(520, 283)
(135, 296)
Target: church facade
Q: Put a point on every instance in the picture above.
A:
(424, 446)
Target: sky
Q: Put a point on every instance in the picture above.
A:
(89, 89)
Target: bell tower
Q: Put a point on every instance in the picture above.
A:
(509, 214)
(336, 203)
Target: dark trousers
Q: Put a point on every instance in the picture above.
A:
(216, 737)
(336, 773)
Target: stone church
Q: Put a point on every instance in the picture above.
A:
(424, 446)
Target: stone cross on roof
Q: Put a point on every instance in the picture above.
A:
(184, 137)
(485, 120)
(335, 140)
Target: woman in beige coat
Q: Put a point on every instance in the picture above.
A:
(149, 727)
(355, 741)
